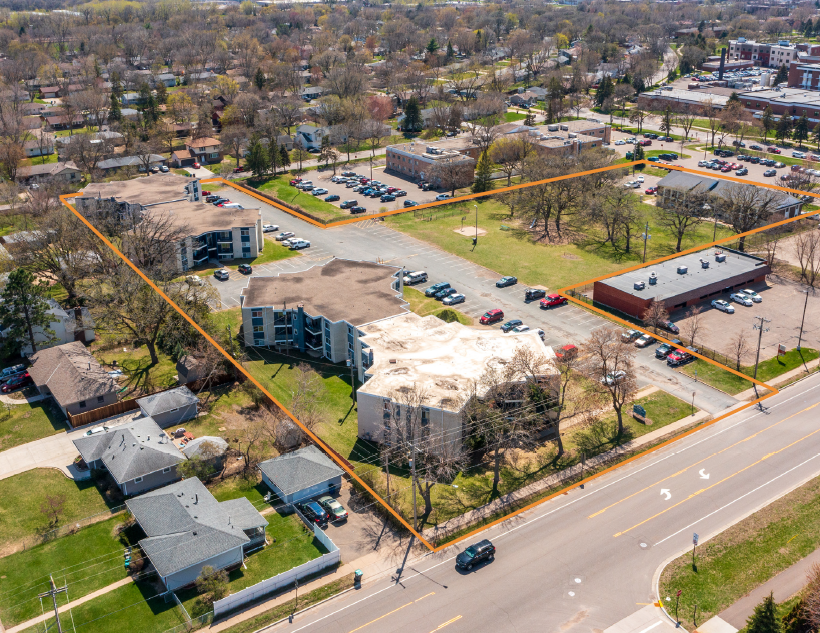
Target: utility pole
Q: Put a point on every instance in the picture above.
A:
(475, 241)
(230, 338)
(645, 235)
(53, 593)
(761, 327)
(352, 380)
(800, 338)
(413, 472)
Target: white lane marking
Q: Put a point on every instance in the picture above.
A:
(649, 628)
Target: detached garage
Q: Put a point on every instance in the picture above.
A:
(301, 474)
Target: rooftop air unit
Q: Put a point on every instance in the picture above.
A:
(720, 257)
(682, 270)
(552, 127)
(653, 279)
(704, 263)
(639, 285)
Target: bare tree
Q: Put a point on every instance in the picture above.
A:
(682, 210)
(744, 207)
(638, 116)
(685, 119)
(656, 315)
(509, 154)
(610, 363)
(53, 507)
(807, 250)
(452, 172)
(693, 325)
(308, 396)
(739, 346)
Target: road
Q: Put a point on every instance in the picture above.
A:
(372, 240)
(586, 560)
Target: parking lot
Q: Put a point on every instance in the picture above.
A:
(782, 304)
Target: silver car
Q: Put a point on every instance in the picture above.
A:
(739, 297)
(454, 299)
(723, 306)
(752, 295)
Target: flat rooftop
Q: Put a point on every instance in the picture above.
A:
(689, 96)
(672, 284)
(145, 190)
(444, 358)
(342, 289)
(457, 144)
(200, 217)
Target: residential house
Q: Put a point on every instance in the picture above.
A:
(131, 98)
(309, 93)
(50, 172)
(525, 98)
(73, 377)
(309, 136)
(301, 474)
(64, 122)
(38, 148)
(187, 529)
(33, 108)
(50, 92)
(138, 455)
(170, 407)
(203, 77)
(114, 164)
(169, 79)
(67, 326)
(205, 150)
(321, 309)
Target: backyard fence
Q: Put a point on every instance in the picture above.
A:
(193, 624)
(285, 579)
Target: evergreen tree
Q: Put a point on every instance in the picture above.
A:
(764, 619)
(114, 111)
(257, 160)
(638, 154)
(274, 157)
(412, 115)
(162, 93)
(450, 51)
(605, 90)
(483, 174)
(732, 97)
(801, 129)
(432, 46)
(259, 79)
(284, 157)
(816, 135)
(782, 75)
(530, 118)
(24, 311)
(797, 619)
(550, 114)
(784, 127)
(767, 121)
(666, 122)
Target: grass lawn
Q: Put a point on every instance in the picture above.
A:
(87, 560)
(767, 369)
(517, 252)
(746, 555)
(272, 251)
(510, 117)
(140, 375)
(39, 160)
(20, 515)
(425, 306)
(657, 152)
(224, 318)
(280, 188)
(22, 423)
(84, 130)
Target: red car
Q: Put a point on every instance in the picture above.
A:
(726, 168)
(206, 193)
(16, 383)
(197, 165)
(651, 191)
(567, 351)
(551, 301)
(491, 316)
(645, 142)
(238, 170)
(295, 181)
(773, 150)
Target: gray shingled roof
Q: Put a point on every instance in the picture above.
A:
(693, 182)
(194, 447)
(300, 469)
(165, 401)
(71, 373)
(131, 450)
(185, 525)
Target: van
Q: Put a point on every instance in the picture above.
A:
(436, 288)
(415, 278)
(232, 205)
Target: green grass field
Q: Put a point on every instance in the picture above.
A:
(23, 423)
(272, 251)
(280, 188)
(425, 306)
(746, 555)
(511, 117)
(140, 375)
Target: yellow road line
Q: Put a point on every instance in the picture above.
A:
(448, 622)
(699, 462)
(717, 483)
(381, 617)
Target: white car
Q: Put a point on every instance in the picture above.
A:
(614, 378)
(270, 228)
(521, 328)
(723, 306)
(284, 235)
(639, 179)
(619, 142)
(442, 196)
(319, 192)
(299, 244)
(798, 154)
(632, 184)
(194, 280)
(752, 295)
(286, 243)
(739, 297)
(222, 274)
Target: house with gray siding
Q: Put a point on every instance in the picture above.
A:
(138, 455)
(171, 407)
(187, 529)
(301, 474)
(73, 377)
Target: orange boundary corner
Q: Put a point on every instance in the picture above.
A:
(65, 199)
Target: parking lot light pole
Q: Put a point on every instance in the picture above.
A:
(803, 321)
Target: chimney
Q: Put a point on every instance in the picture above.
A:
(722, 62)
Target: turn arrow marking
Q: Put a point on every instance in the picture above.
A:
(666, 492)
(703, 475)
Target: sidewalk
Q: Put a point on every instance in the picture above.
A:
(473, 516)
(750, 394)
(75, 603)
(29, 400)
(787, 583)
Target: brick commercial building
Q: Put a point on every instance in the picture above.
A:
(762, 54)
(425, 161)
(804, 75)
(791, 101)
(676, 98)
(680, 282)
(559, 139)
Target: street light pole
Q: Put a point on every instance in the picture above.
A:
(413, 469)
(645, 237)
(800, 338)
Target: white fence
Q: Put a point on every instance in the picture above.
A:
(268, 586)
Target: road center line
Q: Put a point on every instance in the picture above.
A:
(381, 617)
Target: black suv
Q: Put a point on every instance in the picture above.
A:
(530, 294)
(433, 290)
(314, 512)
(481, 551)
(509, 325)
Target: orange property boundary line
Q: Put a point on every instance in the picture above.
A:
(773, 391)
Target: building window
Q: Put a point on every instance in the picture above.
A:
(258, 328)
(100, 399)
(137, 480)
(256, 314)
(166, 470)
(82, 404)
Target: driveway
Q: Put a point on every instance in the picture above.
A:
(202, 172)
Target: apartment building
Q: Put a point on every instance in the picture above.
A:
(762, 54)
(322, 309)
(425, 161)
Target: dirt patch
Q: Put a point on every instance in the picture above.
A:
(470, 231)
(569, 256)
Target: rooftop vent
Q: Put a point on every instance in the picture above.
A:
(653, 279)
(704, 263)
(682, 270)
(639, 285)
(392, 361)
(720, 257)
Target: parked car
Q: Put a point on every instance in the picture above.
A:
(491, 316)
(742, 172)
(663, 350)
(614, 378)
(334, 509)
(723, 306)
(295, 181)
(756, 298)
(506, 281)
(475, 554)
(284, 235)
(348, 204)
(164, 169)
(651, 191)
(509, 325)
(742, 299)
(313, 512)
(357, 209)
(550, 301)
(454, 299)
(446, 292)
(297, 245)
(194, 280)
(530, 294)
(773, 150)
(521, 328)
(443, 196)
(388, 197)
(435, 288)
(197, 165)
(210, 199)
(16, 382)
(12, 371)
(270, 228)
(796, 154)
(756, 147)
(645, 340)
(769, 173)
(222, 274)
(332, 198)
(410, 203)
(679, 357)
(320, 192)
(399, 193)
(630, 336)
(245, 269)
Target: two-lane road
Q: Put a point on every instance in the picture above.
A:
(585, 560)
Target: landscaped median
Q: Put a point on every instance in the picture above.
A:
(279, 188)
(746, 555)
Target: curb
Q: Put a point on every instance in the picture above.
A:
(272, 624)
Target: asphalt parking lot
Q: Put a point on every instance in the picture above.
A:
(782, 304)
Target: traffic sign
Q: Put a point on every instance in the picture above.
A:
(695, 538)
